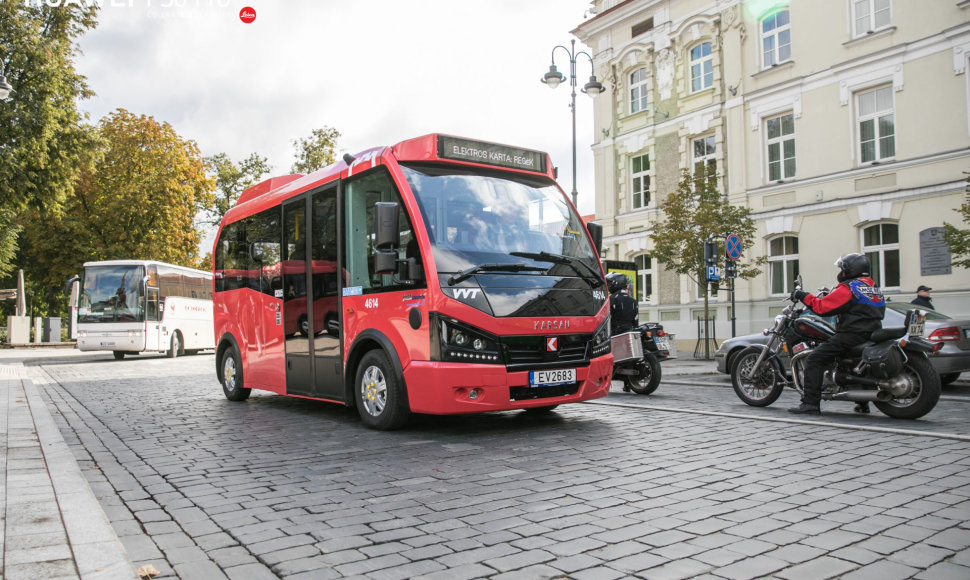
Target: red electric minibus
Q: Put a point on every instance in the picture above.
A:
(441, 275)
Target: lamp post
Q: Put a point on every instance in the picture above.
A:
(5, 87)
(553, 78)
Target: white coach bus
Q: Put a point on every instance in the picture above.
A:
(132, 306)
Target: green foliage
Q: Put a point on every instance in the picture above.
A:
(42, 139)
(697, 212)
(138, 201)
(231, 180)
(958, 239)
(316, 152)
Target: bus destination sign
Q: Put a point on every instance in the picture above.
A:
(491, 154)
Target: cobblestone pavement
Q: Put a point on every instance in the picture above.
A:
(200, 487)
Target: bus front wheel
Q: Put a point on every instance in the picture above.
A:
(176, 345)
(381, 402)
(231, 376)
(119, 354)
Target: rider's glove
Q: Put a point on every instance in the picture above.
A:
(798, 296)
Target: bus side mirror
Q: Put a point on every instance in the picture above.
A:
(387, 237)
(67, 286)
(596, 232)
(143, 286)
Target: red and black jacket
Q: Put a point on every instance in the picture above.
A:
(858, 305)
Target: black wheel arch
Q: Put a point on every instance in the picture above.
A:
(368, 340)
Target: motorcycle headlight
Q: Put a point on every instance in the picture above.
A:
(454, 341)
(601, 339)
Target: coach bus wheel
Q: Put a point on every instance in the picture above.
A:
(119, 354)
(231, 376)
(380, 400)
(176, 345)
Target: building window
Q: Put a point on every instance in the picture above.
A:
(870, 15)
(783, 264)
(780, 134)
(644, 277)
(642, 27)
(775, 38)
(640, 187)
(703, 161)
(638, 90)
(880, 243)
(701, 67)
(877, 127)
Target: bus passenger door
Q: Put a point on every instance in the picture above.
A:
(153, 313)
(325, 285)
(296, 313)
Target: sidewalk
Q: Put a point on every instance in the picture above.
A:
(52, 524)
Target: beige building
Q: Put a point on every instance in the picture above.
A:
(843, 124)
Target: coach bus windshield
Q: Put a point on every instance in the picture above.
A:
(112, 294)
(477, 218)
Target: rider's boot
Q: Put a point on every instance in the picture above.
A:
(862, 407)
(805, 409)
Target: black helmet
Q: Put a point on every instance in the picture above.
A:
(615, 282)
(852, 266)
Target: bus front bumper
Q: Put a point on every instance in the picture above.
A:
(438, 388)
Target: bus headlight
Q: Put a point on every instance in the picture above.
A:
(454, 341)
(601, 339)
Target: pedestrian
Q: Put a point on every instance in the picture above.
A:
(859, 308)
(923, 297)
(623, 307)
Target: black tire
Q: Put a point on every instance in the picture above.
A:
(922, 391)
(119, 354)
(947, 378)
(175, 346)
(759, 391)
(648, 378)
(381, 402)
(231, 376)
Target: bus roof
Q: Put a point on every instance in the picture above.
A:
(431, 148)
(143, 263)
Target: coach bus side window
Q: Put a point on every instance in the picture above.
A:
(361, 195)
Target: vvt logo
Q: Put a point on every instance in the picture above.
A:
(465, 293)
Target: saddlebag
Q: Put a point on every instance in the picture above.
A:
(626, 346)
(883, 359)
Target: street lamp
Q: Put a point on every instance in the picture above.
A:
(5, 87)
(592, 88)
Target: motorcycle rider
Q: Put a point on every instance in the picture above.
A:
(623, 307)
(859, 308)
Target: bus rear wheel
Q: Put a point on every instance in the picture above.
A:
(231, 376)
(381, 402)
(119, 354)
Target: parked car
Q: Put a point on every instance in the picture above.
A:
(952, 360)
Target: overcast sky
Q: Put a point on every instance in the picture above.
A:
(379, 71)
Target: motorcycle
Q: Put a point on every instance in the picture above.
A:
(637, 355)
(892, 370)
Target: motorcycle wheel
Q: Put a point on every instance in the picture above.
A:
(922, 391)
(761, 390)
(648, 378)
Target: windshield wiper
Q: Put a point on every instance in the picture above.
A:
(545, 256)
(468, 272)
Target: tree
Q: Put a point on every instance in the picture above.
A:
(958, 239)
(316, 152)
(138, 201)
(231, 180)
(42, 138)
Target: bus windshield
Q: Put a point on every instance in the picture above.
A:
(477, 218)
(112, 294)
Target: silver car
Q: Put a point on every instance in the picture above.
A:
(950, 361)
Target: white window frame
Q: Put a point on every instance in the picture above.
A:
(644, 176)
(644, 275)
(789, 264)
(874, 14)
(709, 159)
(701, 67)
(881, 249)
(775, 55)
(875, 116)
(638, 90)
(780, 141)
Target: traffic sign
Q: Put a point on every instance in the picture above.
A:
(730, 269)
(713, 273)
(733, 246)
